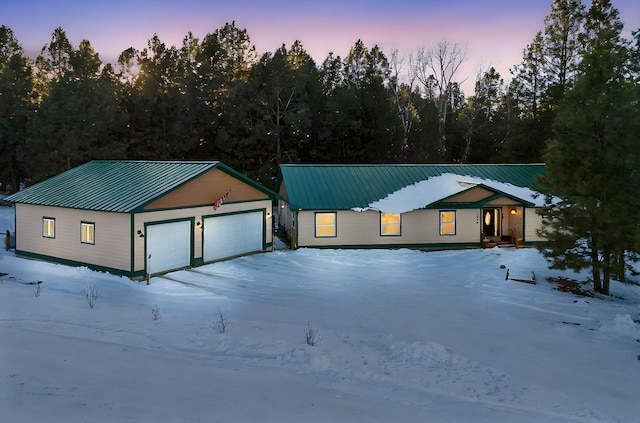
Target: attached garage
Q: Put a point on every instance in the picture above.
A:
(233, 234)
(139, 217)
(168, 246)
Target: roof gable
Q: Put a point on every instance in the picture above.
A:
(119, 185)
(344, 187)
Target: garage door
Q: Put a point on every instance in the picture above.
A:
(232, 235)
(169, 245)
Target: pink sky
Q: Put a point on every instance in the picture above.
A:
(494, 31)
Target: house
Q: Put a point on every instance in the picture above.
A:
(415, 206)
(143, 217)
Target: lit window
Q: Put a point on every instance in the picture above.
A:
(447, 223)
(48, 227)
(325, 224)
(389, 224)
(87, 233)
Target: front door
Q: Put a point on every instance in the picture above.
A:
(491, 221)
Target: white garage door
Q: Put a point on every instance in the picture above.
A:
(169, 245)
(232, 235)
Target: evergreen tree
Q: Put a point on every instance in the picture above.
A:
(79, 118)
(17, 102)
(284, 90)
(592, 161)
(360, 116)
(561, 45)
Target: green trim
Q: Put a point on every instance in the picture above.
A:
(119, 272)
(426, 246)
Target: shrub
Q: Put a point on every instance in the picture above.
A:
(155, 312)
(38, 289)
(311, 335)
(222, 322)
(91, 293)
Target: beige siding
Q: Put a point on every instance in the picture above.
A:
(419, 227)
(533, 222)
(512, 222)
(112, 243)
(197, 213)
(501, 201)
(471, 195)
(207, 189)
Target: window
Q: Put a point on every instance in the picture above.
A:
(325, 225)
(87, 231)
(447, 223)
(48, 227)
(389, 224)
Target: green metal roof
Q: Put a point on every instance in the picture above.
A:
(343, 187)
(119, 185)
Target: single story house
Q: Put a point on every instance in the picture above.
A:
(414, 206)
(143, 217)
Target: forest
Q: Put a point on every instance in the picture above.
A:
(215, 99)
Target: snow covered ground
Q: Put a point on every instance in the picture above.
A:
(406, 336)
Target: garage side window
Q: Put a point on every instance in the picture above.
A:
(325, 225)
(447, 223)
(48, 227)
(87, 233)
(390, 224)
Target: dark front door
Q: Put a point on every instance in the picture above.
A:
(491, 221)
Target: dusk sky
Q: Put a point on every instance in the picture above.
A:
(495, 32)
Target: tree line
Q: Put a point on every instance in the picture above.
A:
(571, 102)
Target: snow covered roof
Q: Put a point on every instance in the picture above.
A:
(423, 193)
(400, 188)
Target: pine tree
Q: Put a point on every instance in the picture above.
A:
(16, 105)
(592, 161)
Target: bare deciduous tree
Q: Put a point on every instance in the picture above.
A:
(435, 68)
(402, 85)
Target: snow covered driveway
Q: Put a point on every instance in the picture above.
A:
(405, 336)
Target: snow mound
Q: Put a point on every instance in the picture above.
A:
(621, 324)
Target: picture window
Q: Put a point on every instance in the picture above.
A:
(390, 224)
(325, 225)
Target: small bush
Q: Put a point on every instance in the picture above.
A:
(38, 289)
(155, 312)
(311, 335)
(221, 324)
(91, 293)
